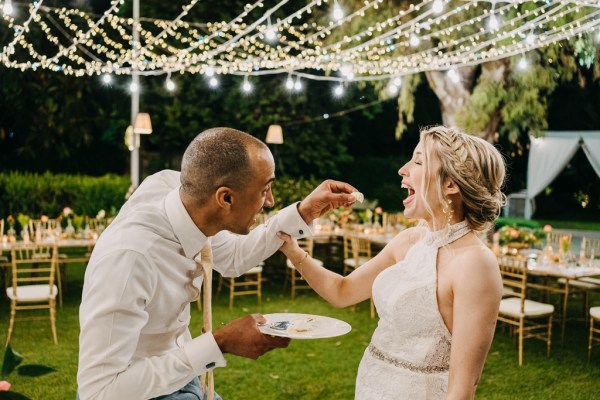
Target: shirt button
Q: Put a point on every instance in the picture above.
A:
(301, 232)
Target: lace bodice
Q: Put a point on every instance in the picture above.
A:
(409, 354)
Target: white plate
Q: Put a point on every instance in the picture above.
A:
(320, 326)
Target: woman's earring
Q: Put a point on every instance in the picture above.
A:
(448, 211)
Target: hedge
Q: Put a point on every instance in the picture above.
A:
(48, 194)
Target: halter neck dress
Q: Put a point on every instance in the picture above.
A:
(409, 353)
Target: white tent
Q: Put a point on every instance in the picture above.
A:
(548, 156)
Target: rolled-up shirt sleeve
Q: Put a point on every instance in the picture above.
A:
(113, 313)
(235, 254)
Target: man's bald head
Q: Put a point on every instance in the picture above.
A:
(217, 157)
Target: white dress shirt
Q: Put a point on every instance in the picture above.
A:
(135, 309)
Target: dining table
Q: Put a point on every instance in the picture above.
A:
(566, 272)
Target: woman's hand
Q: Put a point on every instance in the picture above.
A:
(290, 247)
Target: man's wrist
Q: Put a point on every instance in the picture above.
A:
(220, 341)
(304, 214)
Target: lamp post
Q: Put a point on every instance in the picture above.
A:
(135, 101)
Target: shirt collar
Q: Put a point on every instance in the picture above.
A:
(191, 238)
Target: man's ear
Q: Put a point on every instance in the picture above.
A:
(224, 197)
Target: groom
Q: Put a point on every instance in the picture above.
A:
(143, 273)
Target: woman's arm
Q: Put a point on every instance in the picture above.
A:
(477, 289)
(338, 290)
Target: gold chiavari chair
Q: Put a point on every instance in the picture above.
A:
(594, 331)
(33, 272)
(4, 261)
(590, 250)
(250, 283)
(42, 230)
(558, 240)
(357, 251)
(529, 318)
(293, 275)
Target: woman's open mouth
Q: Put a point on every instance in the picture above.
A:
(411, 194)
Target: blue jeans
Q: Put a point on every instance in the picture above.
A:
(191, 391)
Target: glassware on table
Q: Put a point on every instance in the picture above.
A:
(565, 243)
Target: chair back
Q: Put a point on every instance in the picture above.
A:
(33, 264)
(40, 230)
(1, 228)
(590, 247)
(357, 248)
(514, 276)
(557, 240)
(361, 248)
(307, 244)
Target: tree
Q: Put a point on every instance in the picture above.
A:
(500, 98)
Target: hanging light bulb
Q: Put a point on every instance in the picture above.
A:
(347, 71)
(270, 33)
(106, 79)
(339, 90)
(530, 39)
(170, 85)
(414, 41)
(438, 6)
(397, 81)
(338, 13)
(297, 85)
(213, 82)
(210, 71)
(493, 23)
(8, 7)
(523, 64)
(453, 75)
(134, 87)
(246, 86)
(392, 88)
(289, 83)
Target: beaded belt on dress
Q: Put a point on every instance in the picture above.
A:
(425, 369)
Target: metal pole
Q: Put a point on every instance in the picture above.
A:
(135, 100)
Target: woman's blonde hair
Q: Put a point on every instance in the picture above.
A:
(476, 167)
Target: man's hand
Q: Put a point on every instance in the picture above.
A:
(327, 196)
(242, 337)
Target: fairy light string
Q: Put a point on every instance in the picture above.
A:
(425, 36)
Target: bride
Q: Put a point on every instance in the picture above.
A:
(437, 287)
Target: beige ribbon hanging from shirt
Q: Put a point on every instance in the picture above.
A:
(206, 264)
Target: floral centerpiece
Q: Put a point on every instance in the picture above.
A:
(11, 232)
(68, 215)
(341, 216)
(519, 237)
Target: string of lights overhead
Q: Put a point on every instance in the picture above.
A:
(358, 42)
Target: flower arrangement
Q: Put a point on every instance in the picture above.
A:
(23, 221)
(11, 221)
(341, 216)
(512, 235)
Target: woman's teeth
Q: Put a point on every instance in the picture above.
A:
(411, 191)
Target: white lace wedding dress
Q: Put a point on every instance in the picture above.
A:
(409, 353)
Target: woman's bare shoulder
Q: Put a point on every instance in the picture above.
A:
(403, 241)
(476, 262)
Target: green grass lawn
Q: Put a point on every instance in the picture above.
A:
(313, 369)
